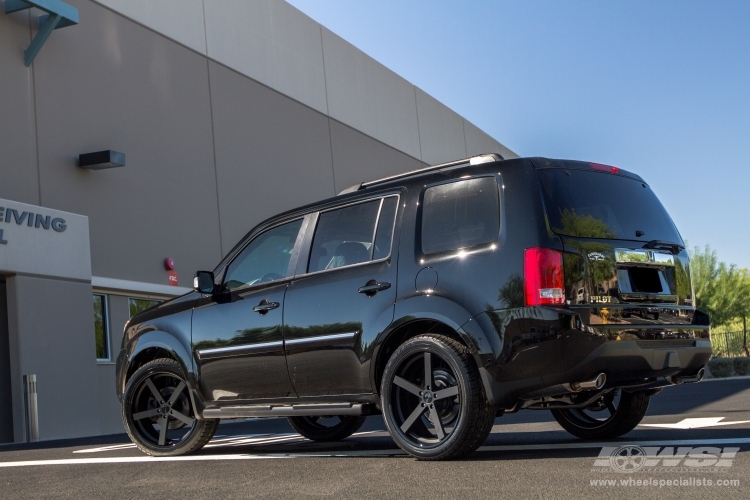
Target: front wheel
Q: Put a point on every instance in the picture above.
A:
(612, 415)
(433, 401)
(158, 414)
(326, 428)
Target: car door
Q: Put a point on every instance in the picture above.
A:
(237, 333)
(342, 297)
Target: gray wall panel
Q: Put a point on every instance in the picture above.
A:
(479, 142)
(181, 20)
(272, 42)
(6, 395)
(18, 168)
(58, 346)
(109, 83)
(369, 97)
(441, 131)
(272, 153)
(359, 158)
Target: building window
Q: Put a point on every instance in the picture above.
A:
(100, 327)
(140, 305)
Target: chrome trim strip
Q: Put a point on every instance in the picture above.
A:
(234, 348)
(643, 257)
(323, 338)
(647, 326)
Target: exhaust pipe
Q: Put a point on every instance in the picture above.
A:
(596, 383)
(688, 380)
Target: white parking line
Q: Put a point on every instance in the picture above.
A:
(365, 453)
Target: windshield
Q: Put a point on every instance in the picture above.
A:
(602, 205)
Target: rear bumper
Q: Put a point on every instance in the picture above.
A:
(626, 364)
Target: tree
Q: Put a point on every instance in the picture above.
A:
(721, 290)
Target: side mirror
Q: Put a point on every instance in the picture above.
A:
(204, 282)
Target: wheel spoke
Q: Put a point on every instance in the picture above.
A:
(176, 392)
(435, 419)
(163, 423)
(182, 418)
(154, 390)
(428, 369)
(446, 393)
(145, 414)
(611, 407)
(405, 384)
(412, 418)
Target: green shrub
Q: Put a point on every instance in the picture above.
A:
(741, 366)
(720, 367)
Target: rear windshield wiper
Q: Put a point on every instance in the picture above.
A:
(674, 248)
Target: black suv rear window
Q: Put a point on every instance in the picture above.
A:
(601, 205)
(460, 214)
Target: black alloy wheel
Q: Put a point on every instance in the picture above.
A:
(613, 414)
(327, 428)
(158, 414)
(433, 401)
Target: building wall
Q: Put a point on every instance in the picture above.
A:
(54, 339)
(6, 409)
(228, 112)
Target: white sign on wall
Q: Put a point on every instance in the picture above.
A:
(42, 241)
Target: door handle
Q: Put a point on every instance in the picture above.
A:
(265, 306)
(372, 287)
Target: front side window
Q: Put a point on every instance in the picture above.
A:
(100, 327)
(460, 214)
(137, 306)
(344, 236)
(265, 259)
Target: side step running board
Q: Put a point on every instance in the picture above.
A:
(300, 410)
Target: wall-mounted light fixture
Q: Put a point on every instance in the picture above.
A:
(101, 160)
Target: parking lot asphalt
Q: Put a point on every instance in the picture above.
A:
(696, 436)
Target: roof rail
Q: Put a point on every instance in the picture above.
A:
(474, 160)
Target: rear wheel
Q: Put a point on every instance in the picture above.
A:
(433, 401)
(158, 414)
(612, 415)
(327, 428)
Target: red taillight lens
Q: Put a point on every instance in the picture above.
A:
(543, 279)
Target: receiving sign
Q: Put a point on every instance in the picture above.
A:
(39, 240)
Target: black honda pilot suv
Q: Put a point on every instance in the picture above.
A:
(441, 298)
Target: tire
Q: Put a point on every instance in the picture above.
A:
(327, 428)
(623, 416)
(142, 411)
(433, 379)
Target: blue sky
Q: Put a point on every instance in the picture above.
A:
(661, 88)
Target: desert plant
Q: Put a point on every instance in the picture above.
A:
(741, 366)
(720, 367)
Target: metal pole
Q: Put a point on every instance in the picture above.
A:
(32, 413)
(744, 338)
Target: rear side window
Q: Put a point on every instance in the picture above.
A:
(602, 205)
(460, 214)
(344, 236)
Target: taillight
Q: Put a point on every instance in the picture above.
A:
(604, 168)
(543, 279)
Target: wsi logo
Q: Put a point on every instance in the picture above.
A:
(628, 459)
